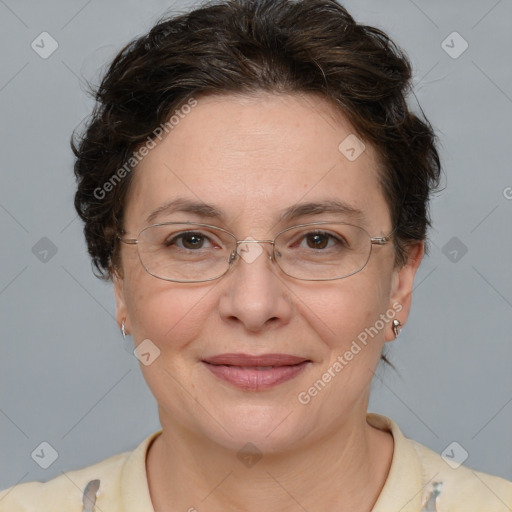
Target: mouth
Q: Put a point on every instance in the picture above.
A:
(256, 373)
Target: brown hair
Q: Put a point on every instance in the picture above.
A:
(246, 46)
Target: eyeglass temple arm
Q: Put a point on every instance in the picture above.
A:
(132, 241)
(381, 240)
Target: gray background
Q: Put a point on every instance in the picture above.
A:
(66, 377)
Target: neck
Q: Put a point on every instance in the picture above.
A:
(345, 471)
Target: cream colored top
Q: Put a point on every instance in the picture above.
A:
(419, 480)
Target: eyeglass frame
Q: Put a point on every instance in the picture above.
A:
(380, 240)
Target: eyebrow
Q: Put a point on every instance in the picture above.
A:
(332, 206)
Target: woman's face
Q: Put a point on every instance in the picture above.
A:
(252, 158)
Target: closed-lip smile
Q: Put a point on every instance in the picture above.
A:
(255, 372)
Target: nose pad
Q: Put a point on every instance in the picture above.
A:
(276, 253)
(234, 254)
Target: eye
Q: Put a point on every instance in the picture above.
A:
(320, 240)
(317, 240)
(189, 240)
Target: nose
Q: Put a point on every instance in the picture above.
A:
(254, 292)
(249, 252)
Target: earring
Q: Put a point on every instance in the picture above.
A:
(397, 327)
(123, 331)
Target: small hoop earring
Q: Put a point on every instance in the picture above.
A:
(397, 328)
(123, 330)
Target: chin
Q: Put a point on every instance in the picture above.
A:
(270, 428)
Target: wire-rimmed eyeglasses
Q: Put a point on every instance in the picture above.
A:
(187, 252)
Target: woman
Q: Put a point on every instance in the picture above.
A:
(257, 189)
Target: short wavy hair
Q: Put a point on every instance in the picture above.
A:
(243, 47)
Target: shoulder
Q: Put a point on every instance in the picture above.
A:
(66, 492)
(453, 487)
(421, 479)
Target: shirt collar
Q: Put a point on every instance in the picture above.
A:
(402, 491)
(134, 479)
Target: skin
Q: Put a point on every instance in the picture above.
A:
(254, 156)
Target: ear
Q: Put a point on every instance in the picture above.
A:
(121, 310)
(403, 281)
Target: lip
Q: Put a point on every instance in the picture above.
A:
(240, 359)
(255, 373)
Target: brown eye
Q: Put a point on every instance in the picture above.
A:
(317, 241)
(321, 240)
(190, 240)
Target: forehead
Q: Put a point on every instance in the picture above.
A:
(253, 157)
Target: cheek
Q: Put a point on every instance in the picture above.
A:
(168, 314)
(340, 311)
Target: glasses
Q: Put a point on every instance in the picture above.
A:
(186, 252)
